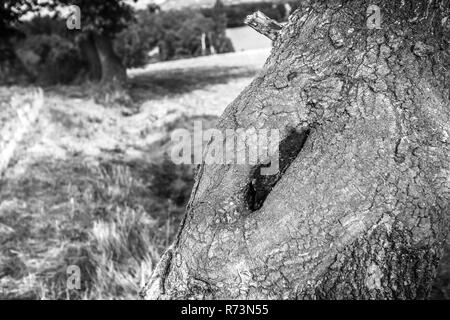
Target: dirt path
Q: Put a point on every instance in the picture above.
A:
(200, 87)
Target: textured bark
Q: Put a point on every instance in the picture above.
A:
(361, 206)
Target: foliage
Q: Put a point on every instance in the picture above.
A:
(236, 13)
(100, 17)
(103, 17)
(45, 25)
(182, 33)
(177, 34)
(134, 43)
(48, 51)
(10, 12)
(219, 40)
(50, 59)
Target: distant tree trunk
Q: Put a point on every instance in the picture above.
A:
(113, 71)
(104, 64)
(220, 42)
(88, 49)
(12, 69)
(361, 206)
(166, 47)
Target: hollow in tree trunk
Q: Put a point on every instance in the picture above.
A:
(360, 207)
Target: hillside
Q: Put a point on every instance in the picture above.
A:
(177, 4)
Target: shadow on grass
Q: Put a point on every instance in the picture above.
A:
(161, 83)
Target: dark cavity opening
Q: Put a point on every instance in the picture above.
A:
(260, 186)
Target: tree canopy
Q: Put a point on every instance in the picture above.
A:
(103, 17)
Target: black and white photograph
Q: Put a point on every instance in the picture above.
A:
(254, 151)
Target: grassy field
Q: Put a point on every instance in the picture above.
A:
(92, 185)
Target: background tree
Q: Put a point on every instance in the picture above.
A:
(219, 40)
(10, 13)
(100, 22)
(48, 51)
(360, 208)
(176, 33)
(181, 32)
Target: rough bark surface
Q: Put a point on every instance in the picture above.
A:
(361, 208)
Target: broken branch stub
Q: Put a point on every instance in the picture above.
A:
(264, 25)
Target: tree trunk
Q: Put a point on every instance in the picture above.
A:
(12, 70)
(361, 205)
(113, 71)
(87, 47)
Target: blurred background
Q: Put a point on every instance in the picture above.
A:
(86, 178)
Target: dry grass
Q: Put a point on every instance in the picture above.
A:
(105, 218)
